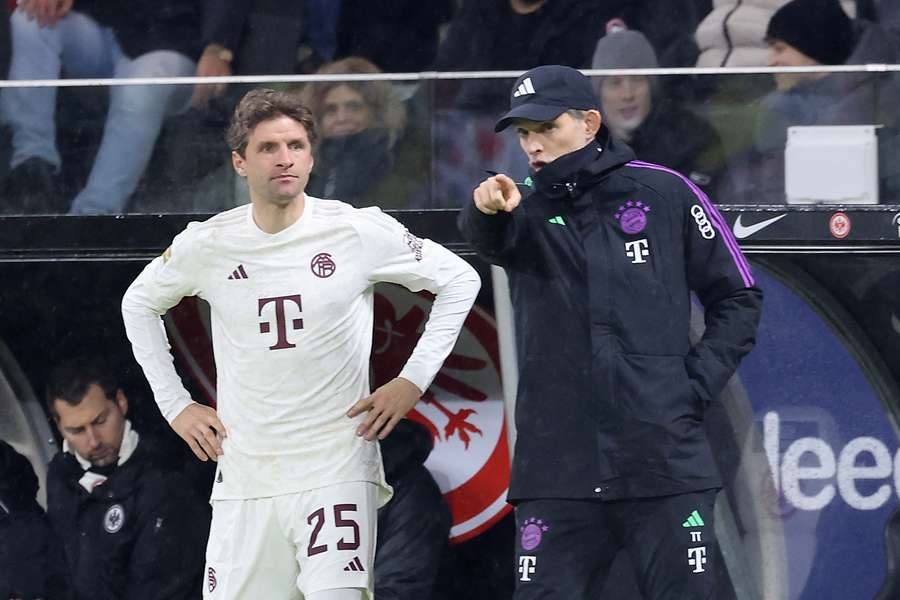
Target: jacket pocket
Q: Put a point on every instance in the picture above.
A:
(656, 390)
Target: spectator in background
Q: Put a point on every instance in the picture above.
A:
(414, 526)
(397, 35)
(130, 524)
(637, 111)
(5, 40)
(499, 35)
(261, 37)
(669, 27)
(733, 34)
(26, 572)
(149, 38)
(810, 33)
(360, 123)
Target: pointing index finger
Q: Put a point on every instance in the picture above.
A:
(507, 185)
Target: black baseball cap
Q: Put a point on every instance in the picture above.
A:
(544, 93)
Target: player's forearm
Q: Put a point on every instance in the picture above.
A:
(453, 301)
(150, 346)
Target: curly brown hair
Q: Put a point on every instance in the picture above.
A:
(261, 105)
(387, 111)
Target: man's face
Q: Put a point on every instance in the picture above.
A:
(277, 163)
(94, 428)
(626, 103)
(344, 112)
(782, 54)
(545, 141)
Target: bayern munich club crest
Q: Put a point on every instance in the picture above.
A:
(532, 530)
(322, 265)
(463, 409)
(632, 217)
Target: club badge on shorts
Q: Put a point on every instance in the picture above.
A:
(533, 531)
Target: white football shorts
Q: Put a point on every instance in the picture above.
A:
(293, 545)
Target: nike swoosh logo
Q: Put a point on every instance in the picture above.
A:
(742, 231)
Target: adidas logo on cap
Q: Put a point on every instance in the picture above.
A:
(525, 88)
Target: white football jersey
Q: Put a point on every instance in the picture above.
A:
(291, 317)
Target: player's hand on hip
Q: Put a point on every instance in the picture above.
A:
(386, 406)
(497, 193)
(200, 427)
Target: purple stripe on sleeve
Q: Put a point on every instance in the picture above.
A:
(730, 242)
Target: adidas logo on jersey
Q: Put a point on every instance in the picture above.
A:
(525, 88)
(239, 273)
(355, 565)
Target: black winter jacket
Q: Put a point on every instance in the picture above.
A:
(28, 566)
(602, 257)
(142, 26)
(414, 526)
(140, 535)
(350, 167)
(486, 35)
(672, 135)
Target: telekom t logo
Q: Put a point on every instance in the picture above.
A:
(697, 558)
(527, 566)
(280, 320)
(637, 251)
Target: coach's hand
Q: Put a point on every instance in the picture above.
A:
(386, 406)
(495, 194)
(200, 427)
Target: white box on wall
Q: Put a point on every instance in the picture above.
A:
(831, 164)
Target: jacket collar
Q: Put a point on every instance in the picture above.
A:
(571, 174)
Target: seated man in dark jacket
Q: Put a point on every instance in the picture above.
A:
(26, 570)
(130, 525)
(413, 528)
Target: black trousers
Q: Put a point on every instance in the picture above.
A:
(565, 548)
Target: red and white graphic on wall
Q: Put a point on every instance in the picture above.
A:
(463, 408)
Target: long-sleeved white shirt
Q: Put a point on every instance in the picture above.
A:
(291, 320)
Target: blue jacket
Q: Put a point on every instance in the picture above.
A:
(602, 255)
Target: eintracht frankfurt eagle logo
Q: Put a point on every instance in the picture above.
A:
(463, 408)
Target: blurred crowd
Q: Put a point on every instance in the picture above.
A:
(407, 144)
(158, 148)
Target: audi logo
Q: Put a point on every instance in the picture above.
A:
(703, 225)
